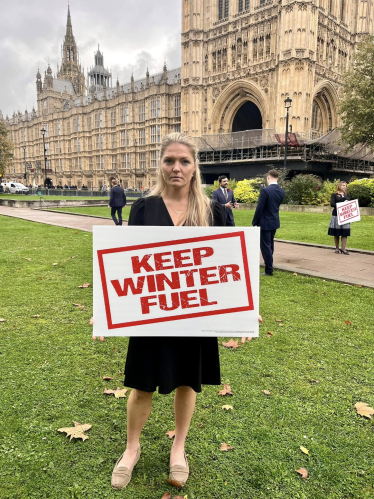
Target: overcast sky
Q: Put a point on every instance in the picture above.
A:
(131, 34)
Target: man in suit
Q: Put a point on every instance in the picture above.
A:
(267, 217)
(225, 197)
(117, 201)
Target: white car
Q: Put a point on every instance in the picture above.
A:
(17, 188)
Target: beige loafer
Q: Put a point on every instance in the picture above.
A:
(180, 473)
(121, 475)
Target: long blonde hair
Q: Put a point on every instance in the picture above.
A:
(339, 186)
(199, 211)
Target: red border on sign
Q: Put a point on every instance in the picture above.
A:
(347, 219)
(101, 253)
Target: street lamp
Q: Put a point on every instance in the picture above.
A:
(24, 157)
(135, 145)
(287, 105)
(43, 132)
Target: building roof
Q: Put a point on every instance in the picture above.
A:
(61, 85)
(98, 70)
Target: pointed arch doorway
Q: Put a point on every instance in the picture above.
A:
(248, 117)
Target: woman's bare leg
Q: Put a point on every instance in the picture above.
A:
(344, 243)
(184, 406)
(336, 238)
(139, 408)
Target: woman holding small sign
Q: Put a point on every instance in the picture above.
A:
(182, 364)
(335, 229)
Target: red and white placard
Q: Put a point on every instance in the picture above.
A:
(348, 212)
(176, 281)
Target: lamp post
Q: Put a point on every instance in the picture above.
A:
(287, 105)
(135, 144)
(24, 157)
(43, 132)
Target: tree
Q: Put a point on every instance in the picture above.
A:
(357, 105)
(6, 149)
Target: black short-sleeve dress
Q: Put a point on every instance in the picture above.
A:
(169, 362)
(335, 229)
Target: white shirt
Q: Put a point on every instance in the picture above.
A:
(224, 190)
(274, 182)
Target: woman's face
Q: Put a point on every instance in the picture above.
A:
(343, 187)
(177, 165)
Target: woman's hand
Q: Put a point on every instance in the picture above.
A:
(250, 337)
(94, 337)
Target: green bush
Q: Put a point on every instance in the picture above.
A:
(324, 193)
(303, 189)
(363, 190)
(246, 191)
(210, 188)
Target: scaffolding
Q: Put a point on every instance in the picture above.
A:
(265, 145)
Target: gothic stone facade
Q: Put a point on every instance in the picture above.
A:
(240, 59)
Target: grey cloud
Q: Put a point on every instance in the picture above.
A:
(131, 33)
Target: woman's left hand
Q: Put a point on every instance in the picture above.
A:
(94, 337)
(250, 337)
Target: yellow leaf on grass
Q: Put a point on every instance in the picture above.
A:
(303, 449)
(78, 305)
(85, 285)
(2, 319)
(35, 316)
(266, 392)
(170, 434)
(54, 264)
(364, 410)
(118, 393)
(224, 447)
(227, 407)
(76, 431)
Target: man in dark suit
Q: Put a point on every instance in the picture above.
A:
(117, 201)
(267, 217)
(225, 197)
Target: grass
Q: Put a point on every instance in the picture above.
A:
(303, 227)
(52, 198)
(51, 375)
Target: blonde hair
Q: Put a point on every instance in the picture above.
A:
(199, 211)
(339, 187)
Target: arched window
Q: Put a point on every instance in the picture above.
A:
(342, 16)
(220, 9)
(330, 6)
(227, 8)
(240, 6)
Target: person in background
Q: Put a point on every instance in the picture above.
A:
(336, 230)
(267, 217)
(117, 201)
(225, 197)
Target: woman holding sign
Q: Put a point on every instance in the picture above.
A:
(335, 229)
(182, 364)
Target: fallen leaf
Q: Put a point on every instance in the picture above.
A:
(75, 256)
(278, 320)
(2, 320)
(226, 390)
(280, 324)
(349, 323)
(303, 472)
(180, 497)
(166, 496)
(85, 285)
(201, 425)
(77, 305)
(231, 344)
(170, 434)
(269, 334)
(266, 392)
(54, 264)
(314, 381)
(304, 450)
(295, 273)
(41, 278)
(35, 316)
(224, 447)
(174, 483)
(107, 378)
(76, 431)
(118, 392)
(28, 259)
(227, 407)
(364, 410)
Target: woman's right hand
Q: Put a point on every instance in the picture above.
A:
(94, 337)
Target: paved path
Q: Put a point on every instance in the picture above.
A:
(357, 268)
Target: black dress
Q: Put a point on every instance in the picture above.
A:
(169, 362)
(335, 229)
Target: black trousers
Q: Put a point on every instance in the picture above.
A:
(113, 213)
(267, 249)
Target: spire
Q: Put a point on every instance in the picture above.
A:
(147, 78)
(68, 23)
(132, 82)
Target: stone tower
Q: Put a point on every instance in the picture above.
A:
(70, 66)
(241, 58)
(98, 77)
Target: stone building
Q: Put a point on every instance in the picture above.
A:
(240, 60)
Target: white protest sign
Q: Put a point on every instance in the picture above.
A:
(348, 212)
(176, 281)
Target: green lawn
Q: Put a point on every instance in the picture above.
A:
(304, 227)
(51, 375)
(52, 198)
